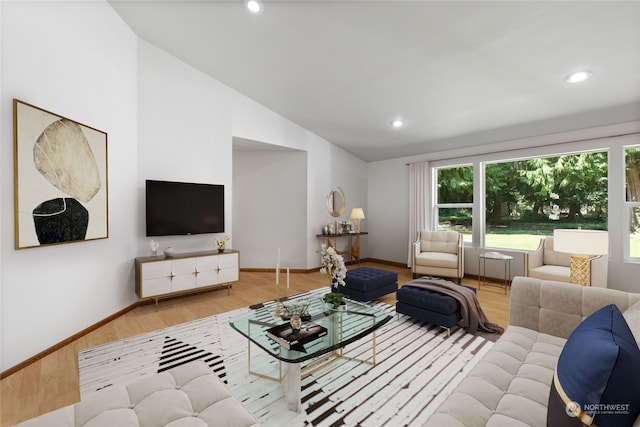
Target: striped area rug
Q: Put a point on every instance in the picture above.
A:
(417, 367)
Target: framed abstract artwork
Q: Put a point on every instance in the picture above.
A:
(60, 179)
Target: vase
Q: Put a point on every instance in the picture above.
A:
(154, 247)
(295, 321)
(169, 252)
(220, 250)
(329, 307)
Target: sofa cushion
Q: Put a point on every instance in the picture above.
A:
(508, 387)
(632, 316)
(187, 395)
(598, 366)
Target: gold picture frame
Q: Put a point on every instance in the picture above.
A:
(60, 179)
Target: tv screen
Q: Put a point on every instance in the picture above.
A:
(181, 208)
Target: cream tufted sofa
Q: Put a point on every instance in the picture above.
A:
(510, 385)
(189, 395)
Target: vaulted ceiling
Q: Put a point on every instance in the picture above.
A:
(458, 73)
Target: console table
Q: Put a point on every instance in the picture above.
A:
(331, 240)
(162, 276)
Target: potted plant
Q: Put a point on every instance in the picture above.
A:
(333, 266)
(334, 299)
(221, 242)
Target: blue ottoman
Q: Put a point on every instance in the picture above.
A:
(429, 306)
(368, 284)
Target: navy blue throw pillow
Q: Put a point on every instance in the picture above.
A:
(597, 378)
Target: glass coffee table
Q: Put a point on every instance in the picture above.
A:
(343, 327)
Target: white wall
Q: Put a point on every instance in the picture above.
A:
(328, 166)
(350, 174)
(184, 134)
(270, 208)
(186, 123)
(388, 210)
(76, 59)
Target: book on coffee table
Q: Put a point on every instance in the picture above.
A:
(290, 338)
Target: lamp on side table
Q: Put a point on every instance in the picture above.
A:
(357, 214)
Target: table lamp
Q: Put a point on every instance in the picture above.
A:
(357, 214)
(581, 244)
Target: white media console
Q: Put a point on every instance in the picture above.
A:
(161, 276)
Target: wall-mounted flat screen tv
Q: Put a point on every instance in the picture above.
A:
(182, 208)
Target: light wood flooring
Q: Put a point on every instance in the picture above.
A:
(52, 382)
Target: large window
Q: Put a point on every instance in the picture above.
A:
(527, 199)
(454, 200)
(632, 190)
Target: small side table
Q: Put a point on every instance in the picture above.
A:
(495, 256)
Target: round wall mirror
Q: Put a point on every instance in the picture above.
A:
(336, 202)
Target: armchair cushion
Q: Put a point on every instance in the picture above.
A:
(551, 257)
(437, 259)
(439, 241)
(558, 273)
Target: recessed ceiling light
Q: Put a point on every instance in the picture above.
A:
(254, 6)
(397, 123)
(578, 76)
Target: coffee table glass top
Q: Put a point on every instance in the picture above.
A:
(343, 327)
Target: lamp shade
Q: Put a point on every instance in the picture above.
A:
(357, 213)
(586, 242)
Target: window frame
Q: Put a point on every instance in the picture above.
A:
(485, 163)
(628, 206)
(435, 218)
(577, 142)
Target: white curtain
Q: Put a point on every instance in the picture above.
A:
(418, 193)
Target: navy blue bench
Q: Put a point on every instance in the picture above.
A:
(429, 306)
(368, 284)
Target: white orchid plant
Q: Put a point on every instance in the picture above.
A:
(333, 265)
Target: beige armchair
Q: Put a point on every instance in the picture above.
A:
(438, 253)
(546, 264)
